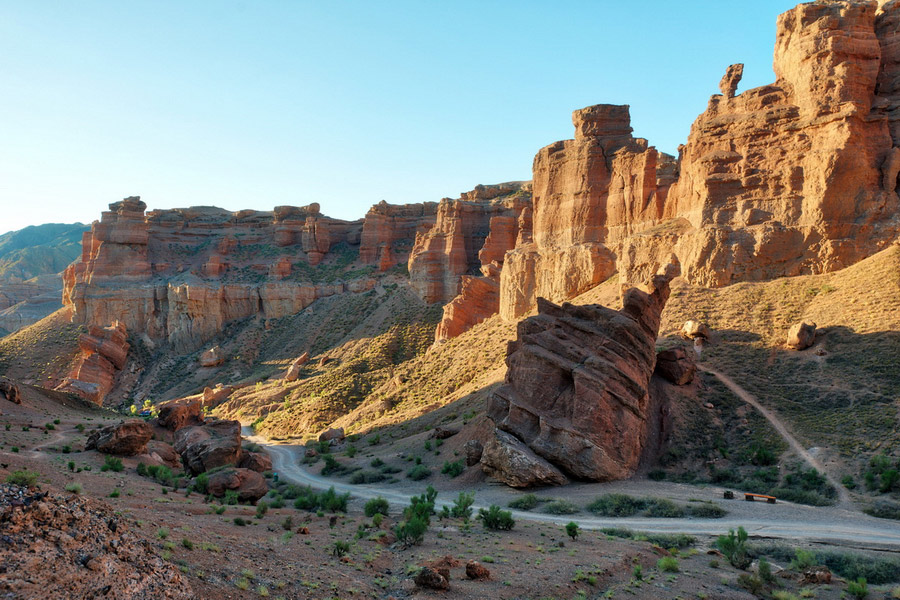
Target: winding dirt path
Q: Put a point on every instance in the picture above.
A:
(796, 446)
(817, 525)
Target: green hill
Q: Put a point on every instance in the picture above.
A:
(39, 250)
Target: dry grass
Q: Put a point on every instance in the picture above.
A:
(42, 352)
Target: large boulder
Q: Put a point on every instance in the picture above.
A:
(473, 449)
(692, 330)
(676, 365)
(213, 357)
(175, 414)
(128, 438)
(333, 434)
(801, 335)
(293, 371)
(249, 485)
(10, 391)
(214, 396)
(577, 388)
(205, 447)
(515, 464)
(255, 461)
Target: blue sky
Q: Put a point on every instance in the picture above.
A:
(253, 104)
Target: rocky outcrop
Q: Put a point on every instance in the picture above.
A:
(213, 357)
(676, 365)
(10, 391)
(332, 435)
(474, 230)
(205, 447)
(180, 275)
(293, 371)
(73, 546)
(128, 438)
(801, 335)
(389, 230)
(509, 460)
(578, 380)
(179, 413)
(255, 461)
(104, 351)
(249, 485)
(692, 330)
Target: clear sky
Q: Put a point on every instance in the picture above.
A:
(253, 104)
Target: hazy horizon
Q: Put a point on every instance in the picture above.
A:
(257, 105)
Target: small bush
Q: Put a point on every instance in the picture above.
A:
(22, 477)
(201, 483)
(376, 462)
(231, 497)
(49, 426)
(616, 505)
(239, 522)
(71, 465)
(162, 533)
(705, 510)
(361, 477)
(560, 507)
(859, 588)
(112, 463)
(657, 475)
(496, 519)
(734, 547)
(411, 532)
(376, 506)
(661, 507)
(526, 502)
(333, 502)
(751, 583)
(340, 548)
(453, 469)
(462, 506)
(667, 564)
(419, 472)
(261, 509)
(187, 544)
(572, 530)
(115, 493)
(74, 487)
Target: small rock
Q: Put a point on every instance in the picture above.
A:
(694, 329)
(213, 357)
(429, 578)
(442, 433)
(475, 570)
(801, 335)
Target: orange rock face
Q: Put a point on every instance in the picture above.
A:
(388, 231)
(577, 387)
(104, 352)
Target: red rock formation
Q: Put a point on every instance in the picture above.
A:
(578, 381)
(389, 228)
(205, 447)
(249, 485)
(104, 352)
(452, 248)
(127, 438)
(179, 413)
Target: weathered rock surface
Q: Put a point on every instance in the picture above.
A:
(249, 485)
(506, 458)
(801, 335)
(474, 449)
(691, 330)
(76, 547)
(175, 414)
(389, 230)
(293, 371)
(336, 434)
(431, 579)
(127, 438)
(676, 365)
(255, 461)
(104, 351)
(205, 447)
(477, 571)
(10, 391)
(213, 357)
(578, 380)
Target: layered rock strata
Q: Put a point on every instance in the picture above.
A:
(577, 384)
(104, 351)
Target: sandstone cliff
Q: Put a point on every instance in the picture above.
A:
(577, 386)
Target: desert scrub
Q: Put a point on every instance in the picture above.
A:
(496, 519)
(560, 507)
(22, 477)
(526, 502)
(667, 564)
(112, 463)
(453, 469)
(74, 487)
(418, 472)
(376, 506)
(734, 547)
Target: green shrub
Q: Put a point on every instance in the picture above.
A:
(859, 588)
(74, 487)
(287, 523)
(496, 519)
(201, 483)
(115, 493)
(526, 502)
(239, 522)
(112, 463)
(331, 501)
(187, 544)
(376, 506)
(661, 507)
(765, 571)
(657, 475)
(71, 465)
(667, 564)
(49, 426)
(261, 509)
(705, 510)
(734, 547)
(462, 506)
(560, 507)
(351, 451)
(616, 505)
(876, 570)
(751, 583)
(22, 477)
(340, 548)
(884, 509)
(411, 532)
(572, 530)
(419, 472)
(376, 462)
(361, 477)
(453, 469)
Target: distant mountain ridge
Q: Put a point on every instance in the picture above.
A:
(39, 250)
